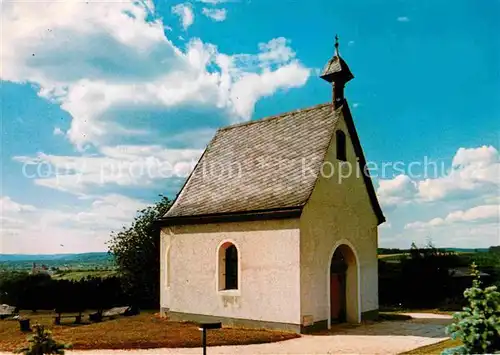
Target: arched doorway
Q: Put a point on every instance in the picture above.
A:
(343, 284)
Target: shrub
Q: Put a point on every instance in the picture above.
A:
(37, 292)
(41, 343)
(420, 279)
(478, 325)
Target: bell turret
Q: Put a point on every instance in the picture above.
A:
(338, 74)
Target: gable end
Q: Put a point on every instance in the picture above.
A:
(362, 161)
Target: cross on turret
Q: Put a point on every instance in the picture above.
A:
(338, 74)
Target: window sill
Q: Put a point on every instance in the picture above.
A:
(229, 292)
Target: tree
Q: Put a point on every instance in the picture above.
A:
(24, 290)
(41, 343)
(478, 325)
(494, 249)
(137, 253)
(424, 279)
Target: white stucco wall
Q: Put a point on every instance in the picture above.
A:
(338, 212)
(269, 277)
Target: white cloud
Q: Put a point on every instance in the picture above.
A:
(112, 207)
(275, 51)
(118, 165)
(58, 132)
(403, 19)
(473, 227)
(483, 156)
(459, 208)
(217, 15)
(186, 14)
(386, 225)
(7, 205)
(486, 212)
(74, 53)
(58, 42)
(101, 60)
(397, 191)
(251, 87)
(419, 224)
(77, 230)
(483, 214)
(474, 172)
(215, 2)
(196, 139)
(459, 235)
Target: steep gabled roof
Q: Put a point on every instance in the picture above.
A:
(265, 168)
(257, 165)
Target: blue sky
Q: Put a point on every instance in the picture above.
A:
(94, 94)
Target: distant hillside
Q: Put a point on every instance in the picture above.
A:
(391, 251)
(467, 250)
(79, 261)
(60, 257)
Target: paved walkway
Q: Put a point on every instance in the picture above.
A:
(390, 337)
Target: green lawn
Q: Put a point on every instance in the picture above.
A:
(144, 331)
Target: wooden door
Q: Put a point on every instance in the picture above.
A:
(337, 297)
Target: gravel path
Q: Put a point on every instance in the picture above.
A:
(391, 337)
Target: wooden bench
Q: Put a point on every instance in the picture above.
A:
(110, 313)
(7, 311)
(60, 313)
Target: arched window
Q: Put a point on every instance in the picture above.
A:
(228, 267)
(341, 148)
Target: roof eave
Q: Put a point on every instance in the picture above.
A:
(282, 213)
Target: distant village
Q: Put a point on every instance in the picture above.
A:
(47, 270)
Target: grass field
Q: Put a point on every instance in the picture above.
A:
(80, 274)
(139, 332)
(390, 256)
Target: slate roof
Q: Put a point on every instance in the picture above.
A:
(335, 69)
(257, 167)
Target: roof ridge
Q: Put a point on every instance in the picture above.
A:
(269, 118)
